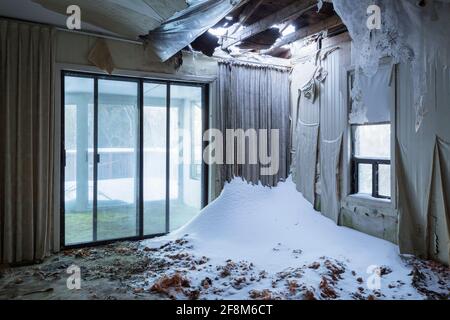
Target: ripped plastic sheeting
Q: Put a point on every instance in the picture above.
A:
(187, 25)
(377, 94)
(409, 33)
(100, 56)
(305, 160)
(330, 154)
(422, 171)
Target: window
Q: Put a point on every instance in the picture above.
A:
(371, 160)
(128, 149)
(196, 149)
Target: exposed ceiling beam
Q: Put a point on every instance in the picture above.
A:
(307, 31)
(246, 13)
(288, 13)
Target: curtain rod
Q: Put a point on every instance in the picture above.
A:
(100, 35)
(255, 62)
(87, 33)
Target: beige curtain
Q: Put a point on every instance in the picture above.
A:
(256, 97)
(26, 141)
(423, 167)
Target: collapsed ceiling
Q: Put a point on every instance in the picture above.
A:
(235, 26)
(128, 19)
(265, 26)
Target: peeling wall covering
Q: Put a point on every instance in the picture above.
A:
(74, 48)
(409, 33)
(325, 71)
(330, 111)
(422, 157)
(423, 169)
(305, 125)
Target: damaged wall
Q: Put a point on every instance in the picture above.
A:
(422, 166)
(327, 154)
(73, 48)
(418, 218)
(73, 51)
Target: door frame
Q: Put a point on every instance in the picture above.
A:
(205, 86)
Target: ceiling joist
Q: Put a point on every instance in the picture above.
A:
(247, 13)
(304, 32)
(290, 12)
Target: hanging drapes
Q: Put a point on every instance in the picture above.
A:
(423, 168)
(305, 160)
(254, 97)
(321, 122)
(26, 141)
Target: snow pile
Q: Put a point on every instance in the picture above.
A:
(410, 31)
(259, 242)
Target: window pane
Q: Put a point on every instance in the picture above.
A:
(117, 169)
(185, 154)
(155, 111)
(79, 143)
(373, 141)
(384, 180)
(365, 178)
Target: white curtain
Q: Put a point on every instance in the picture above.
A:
(254, 97)
(27, 164)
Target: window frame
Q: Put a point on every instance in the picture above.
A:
(374, 162)
(195, 170)
(140, 79)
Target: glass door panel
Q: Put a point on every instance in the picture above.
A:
(118, 159)
(155, 133)
(185, 154)
(106, 123)
(78, 171)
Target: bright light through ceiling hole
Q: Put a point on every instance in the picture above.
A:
(218, 32)
(288, 30)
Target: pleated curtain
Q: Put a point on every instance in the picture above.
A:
(253, 96)
(27, 165)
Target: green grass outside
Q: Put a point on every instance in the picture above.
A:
(120, 222)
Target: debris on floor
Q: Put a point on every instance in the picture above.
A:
(250, 243)
(106, 273)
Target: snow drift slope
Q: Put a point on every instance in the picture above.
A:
(276, 229)
(248, 222)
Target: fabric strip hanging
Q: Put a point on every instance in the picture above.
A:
(375, 97)
(330, 153)
(305, 161)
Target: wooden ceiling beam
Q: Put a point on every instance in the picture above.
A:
(290, 12)
(304, 32)
(246, 13)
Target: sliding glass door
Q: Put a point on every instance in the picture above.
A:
(79, 162)
(185, 154)
(118, 159)
(132, 153)
(155, 158)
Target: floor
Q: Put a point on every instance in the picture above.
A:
(252, 242)
(106, 274)
(132, 271)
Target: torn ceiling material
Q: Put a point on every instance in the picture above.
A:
(409, 32)
(128, 19)
(290, 12)
(266, 26)
(187, 25)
